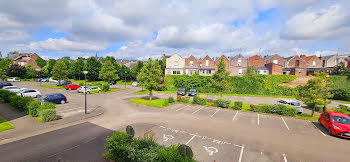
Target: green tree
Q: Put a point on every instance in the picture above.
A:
(66, 61)
(108, 73)
(251, 70)
(315, 92)
(136, 70)
(59, 71)
(124, 72)
(150, 76)
(16, 71)
(31, 72)
(341, 69)
(220, 79)
(162, 63)
(50, 66)
(93, 66)
(77, 68)
(40, 62)
(4, 66)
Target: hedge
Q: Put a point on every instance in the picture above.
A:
(275, 109)
(199, 100)
(47, 115)
(5, 95)
(220, 102)
(238, 105)
(20, 103)
(183, 99)
(120, 148)
(341, 94)
(248, 84)
(33, 108)
(343, 109)
(105, 87)
(171, 99)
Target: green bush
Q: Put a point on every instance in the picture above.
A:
(81, 83)
(171, 99)
(184, 99)
(238, 105)
(264, 108)
(34, 108)
(341, 94)
(275, 109)
(343, 109)
(173, 154)
(20, 102)
(47, 115)
(47, 105)
(289, 111)
(105, 87)
(224, 103)
(117, 147)
(5, 95)
(199, 100)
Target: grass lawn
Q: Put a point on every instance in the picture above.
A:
(155, 103)
(308, 117)
(5, 125)
(28, 80)
(246, 107)
(52, 86)
(147, 92)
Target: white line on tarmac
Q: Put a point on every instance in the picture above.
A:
(215, 113)
(197, 110)
(317, 128)
(285, 123)
(80, 108)
(180, 109)
(241, 154)
(258, 119)
(234, 116)
(193, 135)
(284, 158)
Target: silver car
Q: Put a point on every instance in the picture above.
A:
(81, 88)
(292, 103)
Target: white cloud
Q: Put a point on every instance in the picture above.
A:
(13, 36)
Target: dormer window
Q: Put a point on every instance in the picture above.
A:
(313, 63)
(275, 61)
(206, 62)
(191, 63)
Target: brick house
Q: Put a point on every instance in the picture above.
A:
(295, 65)
(256, 61)
(226, 60)
(274, 69)
(191, 66)
(175, 65)
(275, 59)
(25, 59)
(312, 61)
(238, 65)
(206, 66)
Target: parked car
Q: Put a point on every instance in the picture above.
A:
(134, 84)
(181, 91)
(4, 84)
(113, 82)
(337, 124)
(45, 80)
(63, 82)
(54, 98)
(192, 92)
(39, 79)
(89, 90)
(13, 89)
(72, 86)
(292, 103)
(29, 93)
(81, 88)
(52, 80)
(13, 79)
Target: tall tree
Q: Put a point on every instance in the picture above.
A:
(150, 76)
(108, 72)
(251, 70)
(136, 70)
(16, 71)
(340, 69)
(31, 72)
(77, 68)
(220, 79)
(4, 66)
(315, 92)
(59, 71)
(66, 61)
(124, 72)
(162, 63)
(40, 62)
(93, 66)
(50, 66)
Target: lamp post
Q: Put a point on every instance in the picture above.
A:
(85, 72)
(125, 78)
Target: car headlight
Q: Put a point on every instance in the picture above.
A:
(335, 127)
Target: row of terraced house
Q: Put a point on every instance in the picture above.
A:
(271, 64)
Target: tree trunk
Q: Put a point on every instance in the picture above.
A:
(313, 111)
(150, 95)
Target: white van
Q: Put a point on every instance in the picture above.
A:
(292, 103)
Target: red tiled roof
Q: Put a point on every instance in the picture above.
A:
(308, 58)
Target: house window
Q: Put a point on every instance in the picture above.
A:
(191, 63)
(299, 73)
(297, 62)
(174, 72)
(275, 61)
(169, 72)
(178, 72)
(209, 71)
(206, 62)
(284, 73)
(186, 71)
(313, 63)
(239, 59)
(240, 71)
(203, 71)
(239, 62)
(176, 63)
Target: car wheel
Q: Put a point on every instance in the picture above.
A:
(330, 131)
(69, 89)
(63, 102)
(37, 96)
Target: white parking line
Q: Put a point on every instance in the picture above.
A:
(241, 154)
(234, 116)
(258, 119)
(193, 135)
(285, 123)
(317, 128)
(197, 110)
(215, 113)
(285, 158)
(180, 109)
(80, 108)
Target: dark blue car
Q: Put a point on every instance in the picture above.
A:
(54, 98)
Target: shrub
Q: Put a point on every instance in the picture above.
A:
(5, 95)
(47, 115)
(288, 111)
(33, 108)
(224, 103)
(343, 109)
(20, 102)
(171, 99)
(81, 83)
(117, 147)
(178, 97)
(264, 108)
(238, 105)
(105, 87)
(199, 100)
(184, 99)
(171, 154)
(47, 105)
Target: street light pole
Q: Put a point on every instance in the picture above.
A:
(85, 72)
(125, 78)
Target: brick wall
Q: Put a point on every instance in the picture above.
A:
(280, 60)
(256, 61)
(211, 62)
(295, 71)
(234, 66)
(292, 62)
(189, 59)
(227, 63)
(274, 69)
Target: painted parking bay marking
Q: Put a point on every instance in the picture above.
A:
(211, 150)
(167, 137)
(285, 123)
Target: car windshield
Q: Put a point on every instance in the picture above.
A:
(193, 90)
(341, 120)
(44, 97)
(182, 89)
(295, 103)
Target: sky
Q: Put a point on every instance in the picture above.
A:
(139, 29)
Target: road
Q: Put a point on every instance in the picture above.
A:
(213, 134)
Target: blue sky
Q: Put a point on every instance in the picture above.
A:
(149, 28)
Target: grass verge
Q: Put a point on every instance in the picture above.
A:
(52, 86)
(147, 92)
(308, 117)
(155, 103)
(5, 125)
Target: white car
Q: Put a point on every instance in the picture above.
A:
(134, 84)
(292, 103)
(13, 79)
(13, 89)
(29, 93)
(51, 80)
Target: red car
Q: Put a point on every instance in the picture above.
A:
(72, 86)
(336, 123)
